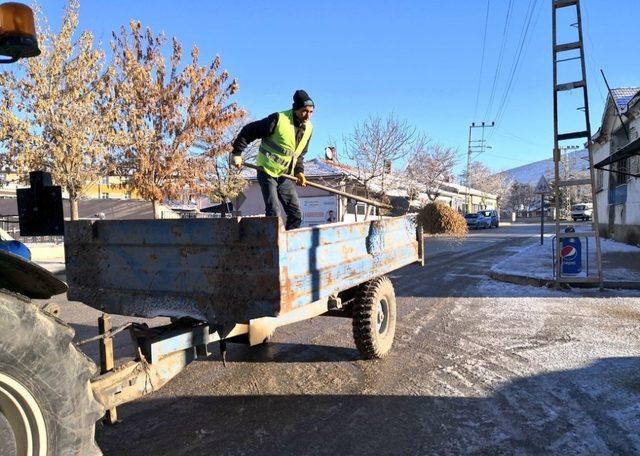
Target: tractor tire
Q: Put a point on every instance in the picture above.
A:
(46, 402)
(374, 318)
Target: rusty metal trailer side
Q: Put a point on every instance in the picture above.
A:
(214, 270)
(322, 261)
(226, 271)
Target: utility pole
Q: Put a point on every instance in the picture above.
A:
(564, 236)
(477, 146)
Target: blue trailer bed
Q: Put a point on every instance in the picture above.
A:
(225, 271)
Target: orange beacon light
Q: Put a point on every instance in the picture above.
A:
(17, 32)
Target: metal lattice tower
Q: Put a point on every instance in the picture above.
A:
(559, 51)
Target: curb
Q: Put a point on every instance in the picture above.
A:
(622, 285)
(518, 279)
(537, 282)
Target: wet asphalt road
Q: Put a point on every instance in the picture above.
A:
(478, 366)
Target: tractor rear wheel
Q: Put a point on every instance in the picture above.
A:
(46, 402)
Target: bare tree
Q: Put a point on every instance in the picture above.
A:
(55, 112)
(484, 179)
(520, 195)
(163, 112)
(375, 144)
(224, 182)
(431, 165)
(570, 169)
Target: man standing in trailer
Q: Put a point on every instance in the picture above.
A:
(285, 139)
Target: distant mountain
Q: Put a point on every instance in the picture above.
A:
(578, 160)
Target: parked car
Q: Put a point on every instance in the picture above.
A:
(493, 215)
(582, 211)
(478, 220)
(8, 244)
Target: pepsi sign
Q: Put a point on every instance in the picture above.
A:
(571, 256)
(569, 253)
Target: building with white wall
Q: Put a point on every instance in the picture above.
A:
(616, 149)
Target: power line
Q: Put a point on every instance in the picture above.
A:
(505, 32)
(591, 54)
(523, 37)
(519, 160)
(484, 44)
(517, 138)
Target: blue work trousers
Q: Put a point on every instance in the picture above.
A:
(283, 190)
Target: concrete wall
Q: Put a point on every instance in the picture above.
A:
(631, 213)
(622, 233)
(600, 152)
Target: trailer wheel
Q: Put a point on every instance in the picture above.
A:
(46, 403)
(374, 317)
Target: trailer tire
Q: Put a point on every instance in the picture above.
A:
(45, 396)
(374, 317)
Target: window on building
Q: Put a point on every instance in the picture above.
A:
(618, 182)
(634, 164)
(599, 179)
(350, 207)
(104, 195)
(619, 139)
(622, 167)
(105, 180)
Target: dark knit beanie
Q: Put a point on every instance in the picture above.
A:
(301, 99)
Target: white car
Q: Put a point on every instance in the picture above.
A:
(582, 211)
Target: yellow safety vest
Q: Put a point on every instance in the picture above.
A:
(279, 151)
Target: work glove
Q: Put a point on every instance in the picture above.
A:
(301, 179)
(237, 161)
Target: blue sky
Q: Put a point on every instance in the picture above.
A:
(420, 60)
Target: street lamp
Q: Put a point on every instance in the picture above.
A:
(17, 32)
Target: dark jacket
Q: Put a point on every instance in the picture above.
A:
(264, 128)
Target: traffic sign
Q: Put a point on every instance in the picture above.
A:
(543, 186)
